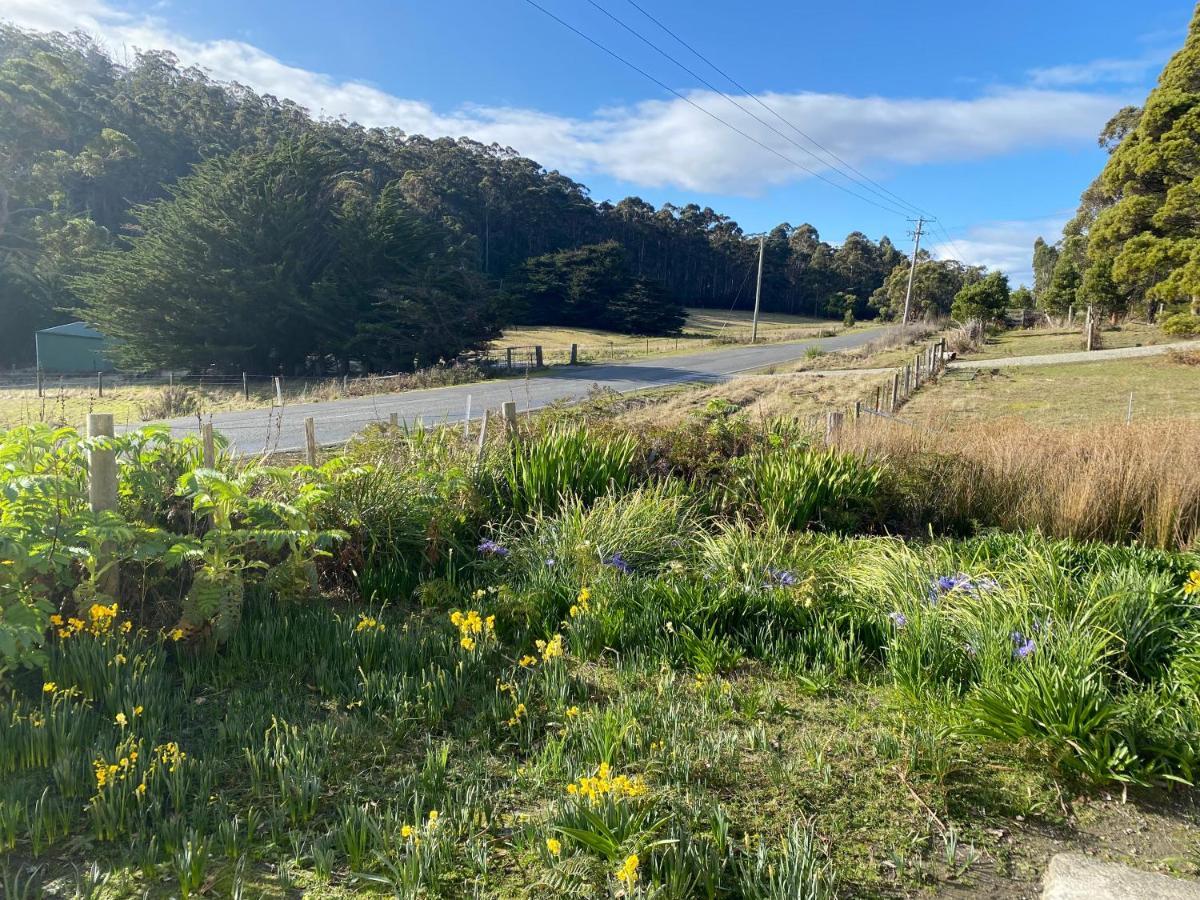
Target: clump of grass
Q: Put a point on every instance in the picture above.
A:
(567, 461)
(795, 487)
(968, 337)
(900, 336)
(169, 402)
(1119, 483)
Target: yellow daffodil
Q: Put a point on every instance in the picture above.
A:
(554, 846)
(49, 687)
(628, 872)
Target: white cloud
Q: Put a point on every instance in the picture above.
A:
(1003, 245)
(654, 143)
(1100, 71)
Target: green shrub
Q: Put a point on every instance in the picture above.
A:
(1181, 325)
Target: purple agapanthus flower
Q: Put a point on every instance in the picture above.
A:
(777, 578)
(1025, 649)
(618, 563)
(945, 584)
(898, 618)
(491, 548)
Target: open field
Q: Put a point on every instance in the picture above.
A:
(1068, 394)
(1037, 341)
(705, 328)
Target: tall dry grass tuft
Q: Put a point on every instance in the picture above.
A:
(1136, 482)
(901, 336)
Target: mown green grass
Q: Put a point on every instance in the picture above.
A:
(1063, 394)
(1039, 341)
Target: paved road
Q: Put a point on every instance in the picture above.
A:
(255, 431)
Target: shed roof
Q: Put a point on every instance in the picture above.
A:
(74, 329)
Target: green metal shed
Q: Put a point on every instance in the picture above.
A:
(73, 347)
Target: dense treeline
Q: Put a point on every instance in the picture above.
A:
(1133, 243)
(205, 224)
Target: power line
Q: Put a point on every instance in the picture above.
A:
(771, 110)
(857, 182)
(708, 112)
(945, 234)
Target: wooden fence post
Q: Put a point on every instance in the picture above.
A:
(483, 427)
(102, 491)
(208, 448)
(279, 390)
(574, 354)
(100, 383)
(394, 420)
(857, 410)
(310, 441)
(537, 356)
(895, 391)
(39, 382)
(508, 357)
(508, 410)
(917, 372)
(878, 397)
(467, 421)
(245, 387)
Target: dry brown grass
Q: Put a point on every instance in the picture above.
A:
(1111, 482)
(761, 397)
(1184, 357)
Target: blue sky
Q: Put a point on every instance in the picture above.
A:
(984, 114)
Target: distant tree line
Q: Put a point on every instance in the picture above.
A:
(1134, 242)
(204, 224)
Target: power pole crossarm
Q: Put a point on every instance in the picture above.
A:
(912, 271)
(762, 242)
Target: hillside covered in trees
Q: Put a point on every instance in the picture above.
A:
(203, 224)
(1133, 244)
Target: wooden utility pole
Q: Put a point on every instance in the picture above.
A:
(762, 243)
(912, 270)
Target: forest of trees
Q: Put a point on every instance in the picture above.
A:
(1134, 242)
(203, 224)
